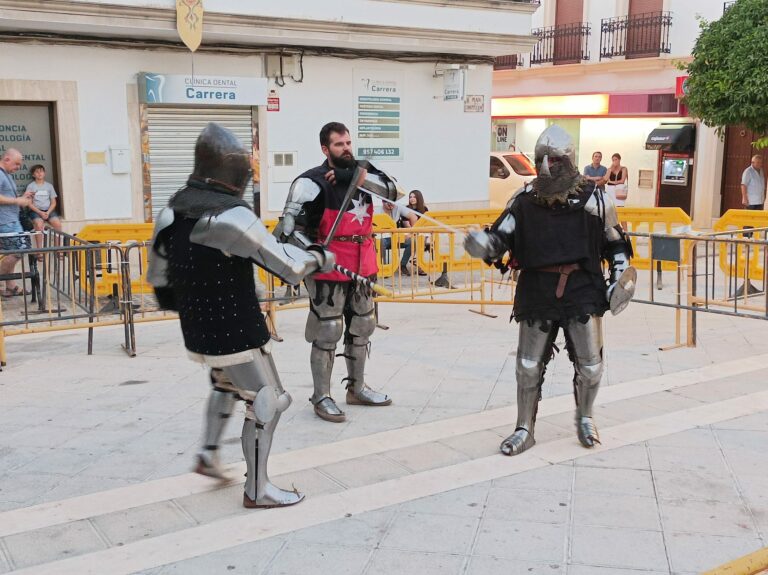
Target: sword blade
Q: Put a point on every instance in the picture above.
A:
(412, 211)
(344, 205)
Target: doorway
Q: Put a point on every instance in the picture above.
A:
(738, 155)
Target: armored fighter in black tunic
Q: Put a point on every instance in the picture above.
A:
(204, 247)
(557, 231)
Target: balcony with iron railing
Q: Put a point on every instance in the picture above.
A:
(563, 44)
(636, 36)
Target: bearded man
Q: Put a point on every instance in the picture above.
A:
(324, 203)
(558, 229)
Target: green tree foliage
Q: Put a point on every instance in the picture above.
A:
(728, 77)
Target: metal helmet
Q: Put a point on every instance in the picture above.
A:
(554, 142)
(220, 158)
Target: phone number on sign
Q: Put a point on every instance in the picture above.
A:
(378, 151)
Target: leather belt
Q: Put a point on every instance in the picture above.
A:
(564, 270)
(355, 239)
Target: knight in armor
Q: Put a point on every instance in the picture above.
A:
(204, 246)
(325, 202)
(557, 231)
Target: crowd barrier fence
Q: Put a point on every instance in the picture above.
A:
(744, 256)
(98, 278)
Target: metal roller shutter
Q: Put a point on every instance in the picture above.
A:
(172, 136)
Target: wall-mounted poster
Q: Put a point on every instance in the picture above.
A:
(378, 99)
(28, 129)
(503, 135)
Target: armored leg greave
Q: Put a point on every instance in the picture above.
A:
(361, 323)
(324, 330)
(321, 362)
(358, 393)
(585, 347)
(533, 353)
(221, 402)
(262, 415)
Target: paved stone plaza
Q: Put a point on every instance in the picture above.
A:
(96, 454)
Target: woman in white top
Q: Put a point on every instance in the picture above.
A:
(43, 208)
(616, 186)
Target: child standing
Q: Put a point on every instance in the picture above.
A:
(43, 208)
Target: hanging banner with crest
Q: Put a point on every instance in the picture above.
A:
(189, 22)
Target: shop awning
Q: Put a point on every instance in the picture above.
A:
(672, 138)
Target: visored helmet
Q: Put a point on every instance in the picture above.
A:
(221, 159)
(554, 142)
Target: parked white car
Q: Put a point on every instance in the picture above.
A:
(509, 171)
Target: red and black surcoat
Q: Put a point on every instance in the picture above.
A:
(352, 242)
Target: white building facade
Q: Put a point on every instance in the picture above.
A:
(609, 72)
(105, 96)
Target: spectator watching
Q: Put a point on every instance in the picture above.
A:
(11, 232)
(43, 207)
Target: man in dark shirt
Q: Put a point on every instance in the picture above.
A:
(10, 204)
(596, 172)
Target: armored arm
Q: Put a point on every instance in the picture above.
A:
(298, 214)
(380, 183)
(239, 232)
(157, 267)
(617, 247)
(492, 243)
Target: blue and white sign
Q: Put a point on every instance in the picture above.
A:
(208, 90)
(378, 99)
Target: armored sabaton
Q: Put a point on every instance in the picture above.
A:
(312, 207)
(557, 231)
(203, 268)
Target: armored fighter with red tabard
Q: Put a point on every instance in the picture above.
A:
(558, 230)
(326, 206)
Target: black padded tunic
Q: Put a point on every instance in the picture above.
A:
(549, 236)
(214, 294)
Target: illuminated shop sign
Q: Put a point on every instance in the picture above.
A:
(208, 90)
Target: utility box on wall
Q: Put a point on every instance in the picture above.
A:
(284, 166)
(120, 159)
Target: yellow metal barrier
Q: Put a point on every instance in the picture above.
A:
(117, 264)
(463, 217)
(652, 220)
(445, 251)
(124, 234)
(105, 233)
(388, 259)
(737, 258)
(109, 272)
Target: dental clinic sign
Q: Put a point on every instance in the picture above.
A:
(208, 90)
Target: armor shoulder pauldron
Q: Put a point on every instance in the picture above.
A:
(303, 190)
(223, 230)
(163, 220)
(157, 266)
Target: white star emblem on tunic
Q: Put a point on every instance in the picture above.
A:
(360, 211)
